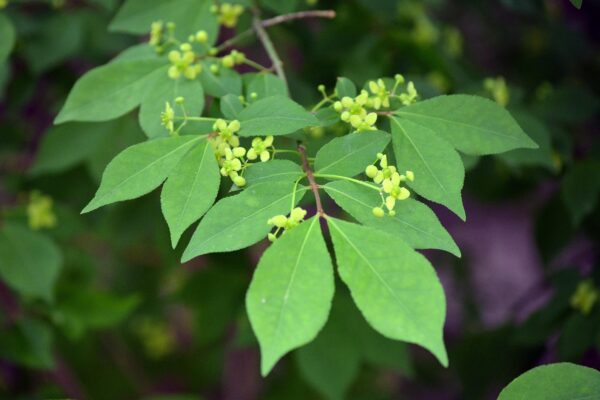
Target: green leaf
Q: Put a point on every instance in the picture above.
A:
(349, 155)
(8, 35)
(439, 172)
(240, 221)
(562, 381)
(67, 145)
(118, 135)
(472, 124)
(56, 39)
(414, 222)
(109, 91)
(163, 89)
(28, 343)
(290, 295)
(581, 189)
(81, 309)
(577, 3)
(142, 51)
(140, 169)
(190, 190)
(331, 362)
(231, 106)
(29, 262)
(189, 16)
(395, 287)
(345, 87)
(272, 171)
(266, 85)
(226, 81)
(275, 115)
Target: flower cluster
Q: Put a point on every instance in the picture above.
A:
(286, 223)
(585, 296)
(233, 158)
(358, 111)
(39, 211)
(390, 180)
(228, 14)
(232, 59)
(354, 111)
(184, 61)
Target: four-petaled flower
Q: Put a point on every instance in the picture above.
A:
(260, 149)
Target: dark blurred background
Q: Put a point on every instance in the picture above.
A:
(128, 321)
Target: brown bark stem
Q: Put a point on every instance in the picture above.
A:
(314, 187)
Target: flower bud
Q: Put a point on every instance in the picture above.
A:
(202, 36)
(228, 61)
(378, 212)
(179, 100)
(410, 176)
(239, 181)
(337, 106)
(371, 171)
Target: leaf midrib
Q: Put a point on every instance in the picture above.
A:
(451, 121)
(292, 277)
(339, 160)
(192, 186)
(420, 155)
(229, 227)
(369, 207)
(92, 100)
(98, 199)
(374, 271)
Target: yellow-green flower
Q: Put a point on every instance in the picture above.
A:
(282, 222)
(260, 149)
(167, 118)
(39, 211)
(183, 63)
(382, 96)
(585, 296)
(392, 187)
(229, 14)
(230, 164)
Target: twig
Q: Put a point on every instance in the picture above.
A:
(311, 180)
(298, 15)
(275, 21)
(264, 38)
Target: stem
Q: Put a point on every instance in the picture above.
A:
(345, 178)
(256, 65)
(201, 119)
(311, 180)
(298, 15)
(320, 104)
(264, 38)
(275, 21)
(294, 192)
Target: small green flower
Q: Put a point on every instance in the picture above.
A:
(156, 33)
(167, 118)
(260, 149)
(39, 211)
(585, 296)
(286, 223)
(229, 14)
(410, 96)
(382, 96)
(230, 164)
